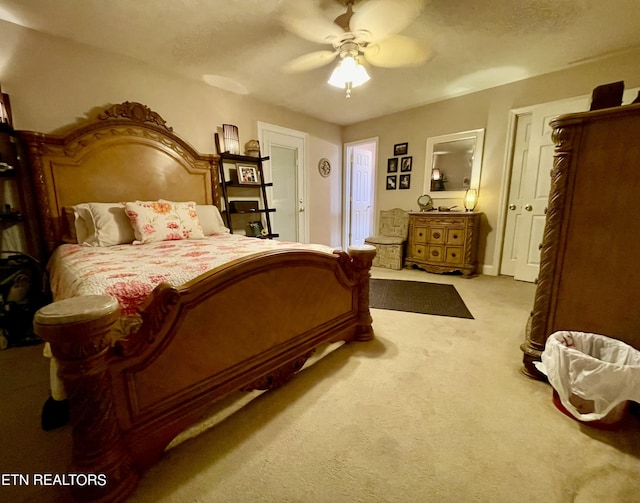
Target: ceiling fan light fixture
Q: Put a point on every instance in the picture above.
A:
(348, 74)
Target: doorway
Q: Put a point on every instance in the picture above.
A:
(359, 194)
(286, 149)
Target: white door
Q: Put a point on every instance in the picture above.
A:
(516, 194)
(528, 205)
(361, 194)
(285, 169)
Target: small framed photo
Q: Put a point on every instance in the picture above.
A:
(392, 165)
(392, 182)
(405, 181)
(248, 175)
(405, 163)
(400, 149)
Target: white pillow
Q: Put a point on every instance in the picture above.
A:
(163, 220)
(102, 224)
(210, 219)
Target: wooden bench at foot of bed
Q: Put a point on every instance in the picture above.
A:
(250, 324)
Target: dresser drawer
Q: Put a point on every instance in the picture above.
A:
(419, 234)
(455, 236)
(436, 235)
(435, 253)
(417, 251)
(455, 254)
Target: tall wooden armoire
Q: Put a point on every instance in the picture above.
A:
(589, 277)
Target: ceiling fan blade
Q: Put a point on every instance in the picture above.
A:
(397, 51)
(309, 61)
(308, 22)
(383, 18)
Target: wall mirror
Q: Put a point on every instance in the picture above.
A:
(453, 164)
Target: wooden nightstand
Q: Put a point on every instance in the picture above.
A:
(443, 241)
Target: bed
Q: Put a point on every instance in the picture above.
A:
(131, 392)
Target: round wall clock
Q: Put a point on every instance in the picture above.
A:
(324, 167)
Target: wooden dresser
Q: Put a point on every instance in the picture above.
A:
(589, 278)
(443, 241)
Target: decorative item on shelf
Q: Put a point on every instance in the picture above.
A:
(252, 148)
(231, 138)
(243, 206)
(425, 202)
(248, 175)
(470, 199)
(400, 149)
(448, 208)
(255, 229)
(324, 167)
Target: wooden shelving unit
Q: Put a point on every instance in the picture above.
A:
(230, 183)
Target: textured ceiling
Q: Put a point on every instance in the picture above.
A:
(475, 44)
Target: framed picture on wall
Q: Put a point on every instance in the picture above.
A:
(400, 149)
(405, 163)
(405, 181)
(392, 165)
(392, 182)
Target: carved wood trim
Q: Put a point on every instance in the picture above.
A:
(136, 112)
(536, 335)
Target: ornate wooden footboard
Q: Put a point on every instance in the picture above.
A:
(250, 324)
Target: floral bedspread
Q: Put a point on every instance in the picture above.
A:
(130, 272)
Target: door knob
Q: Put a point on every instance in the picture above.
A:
(512, 206)
(528, 207)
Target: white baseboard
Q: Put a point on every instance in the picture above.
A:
(489, 270)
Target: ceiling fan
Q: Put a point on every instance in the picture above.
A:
(370, 33)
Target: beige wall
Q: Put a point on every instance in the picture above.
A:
(490, 110)
(53, 83)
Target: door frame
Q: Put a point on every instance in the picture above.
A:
(346, 183)
(263, 127)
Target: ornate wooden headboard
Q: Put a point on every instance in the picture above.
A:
(127, 153)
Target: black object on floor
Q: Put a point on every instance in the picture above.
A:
(55, 414)
(417, 297)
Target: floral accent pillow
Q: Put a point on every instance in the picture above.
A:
(163, 221)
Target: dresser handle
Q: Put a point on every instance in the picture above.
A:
(436, 235)
(455, 236)
(435, 253)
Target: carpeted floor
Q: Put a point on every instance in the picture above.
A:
(434, 409)
(417, 297)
